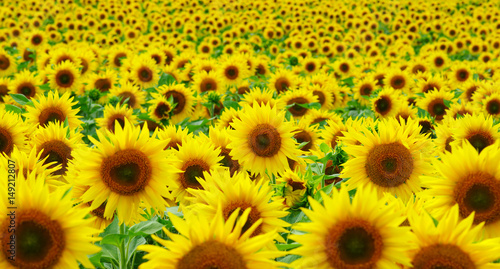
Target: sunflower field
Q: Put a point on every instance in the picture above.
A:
(256, 134)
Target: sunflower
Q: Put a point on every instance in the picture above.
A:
(262, 140)
(56, 143)
(220, 139)
(452, 243)
(183, 100)
(434, 103)
(439, 60)
(444, 135)
(366, 233)
(144, 72)
(208, 81)
(398, 80)
(102, 81)
(117, 54)
(305, 133)
(88, 61)
(294, 189)
(478, 130)
(196, 155)
(174, 135)
(260, 96)
(324, 95)
(31, 162)
(115, 115)
(26, 83)
(128, 90)
(4, 89)
(159, 108)
(49, 232)
(470, 180)
(387, 103)
(429, 83)
(363, 89)
(64, 77)
(391, 160)
(315, 117)
(460, 73)
(295, 99)
(217, 243)
(7, 64)
(282, 80)
(13, 132)
(53, 108)
(227, 117)
(126, 169)
(457, 110)
(491, 105)
(233, 70)
(62, 54)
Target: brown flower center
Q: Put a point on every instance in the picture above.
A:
(353, 244)
(102, 84)
(85, 66)
(126, 172)
(310, 67)
(4, 62)
(282, 84)
(253, 217)
(64, 78)
(6, 143)
(296, 110)
(445, 256)
(366, 89)
(418, 68)
(179, 99)
(117, 118)
(265, 140)
(36, 40)
(27, 89)
(210, 255)
(192, 169)
(304, 136)
(3, 92)
(480, 139)
(383, 105)
(462, 75)
(117, 58)
(227, 161)
(389, 165)
(437, 108)
(231, 72)
(493, 107)
(321, 97)
(161, 110)
(51, 114)
(58, 152)
(208, 84)
(398, 82)
(40, 241)
(127, 95)
(145, 74)
(438, 62)
(479, 192)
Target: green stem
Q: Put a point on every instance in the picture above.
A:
(123, 261)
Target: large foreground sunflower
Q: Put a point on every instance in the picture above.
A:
(452, 243)
(212, 243)
(471, 180)
(391, 159)
(262, 140)
(127, 168)
(49, 232)
(366, 233)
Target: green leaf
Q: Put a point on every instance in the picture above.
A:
(315, 105)
(166, 79)
(13, 108)
(45, 87)
(301, 145)
(145, 228)
(231, 104)
(95, 259)
(134, 243)
(20, 98)
(447, 103)
(113, 228)
(285, 247)
(324, 148)
(113, 239)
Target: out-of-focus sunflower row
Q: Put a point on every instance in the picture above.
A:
(249, 134)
